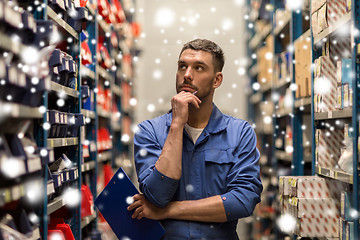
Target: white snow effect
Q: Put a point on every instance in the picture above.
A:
(129, 200)
(143, 152)
(164, 17)
(286, 223)
(267, 119)
(256, 86)
(125, 138)
(294, 5)
(322, 86)
(72, 197)
(189, 188)
(121, 175)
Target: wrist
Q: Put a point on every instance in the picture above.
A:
(177, 125)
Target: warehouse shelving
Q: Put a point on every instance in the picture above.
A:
(15, 113)
(60, 22)
(64, 90)
(304, 106)
(276, 158)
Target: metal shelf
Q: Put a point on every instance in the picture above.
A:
(87, 72)
(302, 102)
(90, 8)
(35, 234)
(10, 45)
(103, 113)
(63, 89)
(62, 142)
(12, 193)
(116, 126)
(104, 25)
(87, 166)
(104, 156)
(14, 110)
(265, 87)
(87, 220)
(103, 73)
(279, 29)
(56, 204)
(117, 90)
(342, 113)
(335, 174)
(325, 33)
(51, 14)
(282, 113)
(259, 37)
(282, 155)
(88, 113)
(254, 70)
(282, 83)
(256, 98)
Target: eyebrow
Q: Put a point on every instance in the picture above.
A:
(196, 62)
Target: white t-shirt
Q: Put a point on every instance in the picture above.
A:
(194, 133)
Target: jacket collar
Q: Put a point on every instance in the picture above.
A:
(217, 121)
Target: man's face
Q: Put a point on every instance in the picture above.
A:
(195, 73)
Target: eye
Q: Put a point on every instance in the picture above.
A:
(199, 68)
(181, 67)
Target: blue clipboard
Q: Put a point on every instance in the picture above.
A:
(112, 203)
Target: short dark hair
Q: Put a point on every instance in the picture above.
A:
(207, 46)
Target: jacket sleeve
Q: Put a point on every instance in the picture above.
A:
(244, 184)
(157, 188)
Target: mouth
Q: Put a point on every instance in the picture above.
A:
(187, 89)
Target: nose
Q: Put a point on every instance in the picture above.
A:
(188, 74)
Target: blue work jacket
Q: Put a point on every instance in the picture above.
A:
(224, 161)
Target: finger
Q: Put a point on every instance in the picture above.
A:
(136, 212)
(140, 216)
(134, 205)
(137, 197)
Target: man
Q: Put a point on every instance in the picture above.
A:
(197, 167)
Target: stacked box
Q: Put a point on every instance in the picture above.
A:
(328, 147)
(326, 13)
(335, 11)
(346, 205)
(303, 67)
(325, 84)
(315, 208)
(318, 227)
(344, 82)
(316, 187)
(314, 202)
(265, 64)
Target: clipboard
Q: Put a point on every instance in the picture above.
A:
(112, 203)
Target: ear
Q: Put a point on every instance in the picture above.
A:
(218, 80)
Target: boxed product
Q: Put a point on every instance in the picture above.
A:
(325, 83)
(284, 185)
(329, 147)
(346, 206)
(317, 227)
(315, 207)
(315, 5)
(303, 67)
(315, 187)
(336, 10)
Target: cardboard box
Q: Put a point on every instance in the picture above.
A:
(315, 187)
(303, 67)
(346, 203)
(315, 207)
(322, 18)
(317, 227)
(315, 5)
(325, 73)
(335, 11)
(329, 147)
